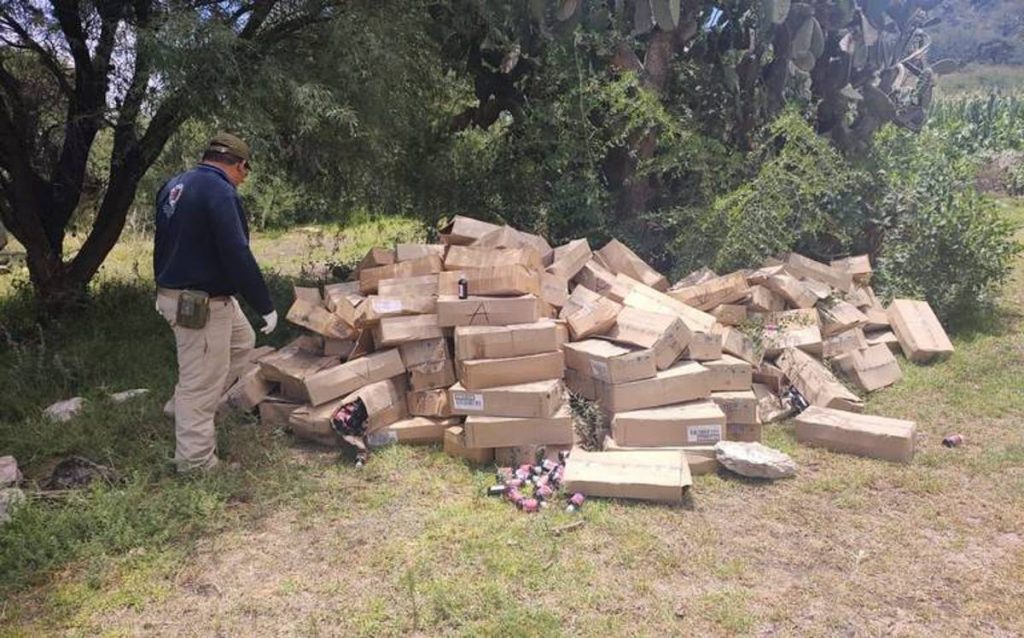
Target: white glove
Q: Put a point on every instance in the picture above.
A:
(270, 321)
(156, 305)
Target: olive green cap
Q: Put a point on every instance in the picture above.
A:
(230, 144)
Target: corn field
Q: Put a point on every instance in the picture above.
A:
(978, 122)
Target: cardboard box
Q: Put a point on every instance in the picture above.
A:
(648, 299)
(274, 412)
(588, 313)
(290, 366)
(683, 382)
(315, 317)
(777, 337)
(918, 329)
(618, 258)
(738, 344)
(463, 230)
(311, 295)
(487, 311)
(384, 401)
(325, 385)
(471, 257)
(730, 314)
(455, 445)
(428, 376)
(699, 276)
(839, 316)
(416, 430)
(249, 390)
(885, 337)
(534, 399)
(506, 431)
(508, 237)
(599, 279)
(421, 286)
(581, 384)
(714, 292)
(491, 373)
(700, 458)
(843, 342)
(770, 407)
(378, 307)
(807, 268)
(739, 406)
(496, 342)
(858, 267)
(569, 259)
(377, 257)
(861, 434)
(370, 278)
(757, 276)
(704, 346)
(517, 455)
(746, 432)
(345, 302)
(729, 373)
(666, 335)
(610, 362)
(764, 300)
(410, 252)
(769, 375)
(818, 385)
(864, 298)
(654, 475)
(872, 368)
(554, 289)
(341, 348)
(415, 353)
(697, 423)
(433, 403)
(494, 281)
(792, 290)
(396, 330)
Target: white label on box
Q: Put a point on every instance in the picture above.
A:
(384, 306)
(599, 370)
(704, 433)
(468, 401)
(380, 439)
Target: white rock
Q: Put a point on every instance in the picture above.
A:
(121, 397)
(9, 473)
(10, 498)
(64, 411)
(754, 460)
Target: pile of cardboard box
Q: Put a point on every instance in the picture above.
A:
(475, 342)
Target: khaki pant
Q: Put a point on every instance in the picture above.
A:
(210, 359)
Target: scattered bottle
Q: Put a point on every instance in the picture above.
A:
(954, 440)
(575, 502)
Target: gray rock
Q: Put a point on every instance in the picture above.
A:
(64, 411)
(121, 397)
(754, 460)
(10, 475)
(10, 499)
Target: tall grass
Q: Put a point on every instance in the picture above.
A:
(974, 122)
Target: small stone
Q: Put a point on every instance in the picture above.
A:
(121, 397)
(64, 411)
(10, 499)
(10, 475)
(754, 460)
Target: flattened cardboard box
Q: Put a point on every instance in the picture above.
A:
(491, 373)
(507, 431)
(493, 281)
(421, 286)
(569, 259)
(739, 406)
(455, 445)
(650, 475)
(432, 375)
(618, 258)
(696, 423)
(666, 335)
(379, 307)
(487, 311)
(709, 294)
(729, 373)
(609, 362)
(861, 434)
(683, 382)
(409, 252)
(470, 257)
(463, 230)
(872, 368)
(700, 458)
(818, 385)
(704, 346)
(342, 379)
(919, 331)
(496, 342)
(315, 317)
(416, 353)
(416, 430)
(397, 330)
(808, 268)
(370, 278)
(535, 399)
(588, 313)
(432, 403)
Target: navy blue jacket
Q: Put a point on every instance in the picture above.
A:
(202, 239)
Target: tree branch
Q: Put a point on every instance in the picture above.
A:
(46, 58)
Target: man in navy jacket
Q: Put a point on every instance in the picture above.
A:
(202, 244)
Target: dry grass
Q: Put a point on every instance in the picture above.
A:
(409, 546)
